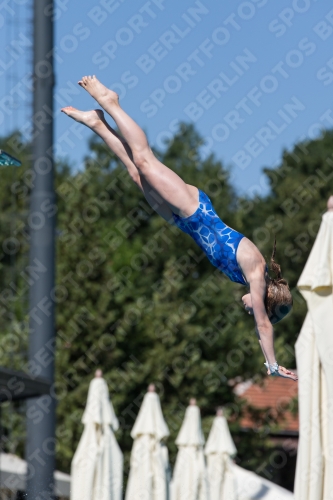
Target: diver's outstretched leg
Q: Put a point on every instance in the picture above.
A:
(95, 120)
(182, 198)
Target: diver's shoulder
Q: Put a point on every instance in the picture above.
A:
(251, 260)
(248, 250)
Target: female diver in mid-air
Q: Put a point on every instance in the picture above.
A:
(269, 300)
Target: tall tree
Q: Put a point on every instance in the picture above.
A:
(137, 298)
(140, 300)
(299, 189)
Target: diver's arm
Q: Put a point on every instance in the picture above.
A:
(265, 333)
(263, 326)
(259, 339)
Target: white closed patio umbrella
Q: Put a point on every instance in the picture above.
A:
(250, 486)
(219, 449)
(189, 481)
(97, 465)
(314, 354)
(149, 465)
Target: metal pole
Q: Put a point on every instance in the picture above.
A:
(40, 448)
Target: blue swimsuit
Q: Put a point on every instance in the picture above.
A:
(214, 237)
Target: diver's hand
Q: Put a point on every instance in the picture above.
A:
(283, 372)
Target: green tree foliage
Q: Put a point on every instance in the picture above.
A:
(15, 187)
(14, 290)
(137, 298)
(299, 189)
(142, 301)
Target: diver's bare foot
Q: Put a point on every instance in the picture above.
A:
(98, 91)
(89, 118)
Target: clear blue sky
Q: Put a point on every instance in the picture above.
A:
(254, 76)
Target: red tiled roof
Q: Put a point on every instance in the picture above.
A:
(276, 394)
